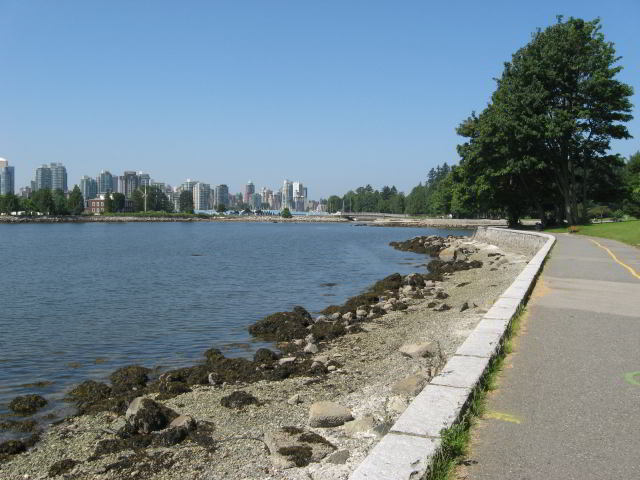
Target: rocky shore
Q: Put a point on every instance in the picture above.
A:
(311, 410)
(169, 219)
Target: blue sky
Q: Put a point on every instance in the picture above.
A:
(336, 94)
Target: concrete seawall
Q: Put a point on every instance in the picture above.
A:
(524, 241)
(408, 450)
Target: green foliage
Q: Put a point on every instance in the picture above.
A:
(631, 175)
(43, 201)
(542, 142)
(108, 203)
(334, 204)
(600, 212)
(221, 208)
(286, 213)
(435, 196)
(156, 200)
(185, 202)
(118, 201)
(9, 203)
(75, 203)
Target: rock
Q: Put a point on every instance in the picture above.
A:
(27, 404)
(12, 447)
(311, 348)
(213, 379)
(418, 350)
(238, 399)
(61, 467)
(464, 306)
(89, 391)
(184, 421)
(331, 368)
(406, 289)
(23, 426)
(442, 308)
(364, 424)
(129, 378)
(360, 313)
(310, 338)
(400, 306)
(320, 318)
(328, 414)
(335, 316)
(441, 295)
(348, 316)
(146, 416)
(411, 385)
(339, 458)
(286, 360)
(321, 358)
(298, 342)
(328, 330)
(388, 307)
(283, 326)
(448, 254)
(264, 355)
(396, 405)
(169, 437)
(294, 400)
(294, 447)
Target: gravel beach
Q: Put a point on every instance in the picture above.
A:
(370, 377)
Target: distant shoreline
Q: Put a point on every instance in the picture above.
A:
(364, 220)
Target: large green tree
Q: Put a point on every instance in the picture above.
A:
(186, 202)
(156, 200)
(75, 203)
(43, 201)
(9, 203)
(546, 133)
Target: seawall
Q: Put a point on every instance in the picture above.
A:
(414, 441)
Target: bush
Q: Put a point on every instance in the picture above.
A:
(286, 213)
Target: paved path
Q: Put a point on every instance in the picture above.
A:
(568, 405)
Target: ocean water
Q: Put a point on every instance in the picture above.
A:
(78, 301)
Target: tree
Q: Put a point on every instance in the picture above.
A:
(631, 203)
(108, 203)
(221, 208)
(550, 121)
(156, 200)
(9, 203)
(334, 204)
(76, 201)
(43, 201)
(119, 201)
(186, 201)
(286, 213)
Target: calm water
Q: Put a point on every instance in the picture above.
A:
(80, 300)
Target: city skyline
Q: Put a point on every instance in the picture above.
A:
(338, 92)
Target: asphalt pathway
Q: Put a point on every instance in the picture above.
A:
(568, 402)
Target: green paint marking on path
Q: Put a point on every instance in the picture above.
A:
(630, 378)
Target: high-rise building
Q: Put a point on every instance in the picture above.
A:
(222, 195)
(43, 178)
(287, 195)
(249, 189)
(201, 196)
(58, 177)
(105, 182)
(256, 201)
(7, 177)
(131, 183)
(88, 187)
(276, 202)
(144, 179)
(188, 185)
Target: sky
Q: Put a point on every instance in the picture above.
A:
(336, 93)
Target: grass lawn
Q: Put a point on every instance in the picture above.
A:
(627, 232)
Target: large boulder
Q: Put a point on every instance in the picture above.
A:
(238, 399)
(132, 377)
(418, 350)
(146, 416)
(282, 326)
(294, 447)
(410, 386)
(27, 404)
(328, 414)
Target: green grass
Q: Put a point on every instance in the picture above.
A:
(626, 232)
(455, 439)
